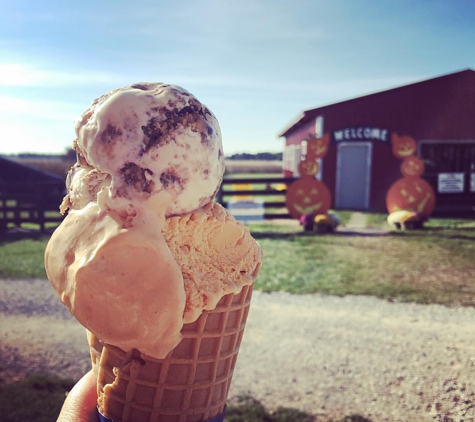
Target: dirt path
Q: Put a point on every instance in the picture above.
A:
(331, 356)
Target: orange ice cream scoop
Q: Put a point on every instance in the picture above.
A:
(216, 253)
(122, 284)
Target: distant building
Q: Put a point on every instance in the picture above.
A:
(16, 177)
(27, 194)
(360, 167)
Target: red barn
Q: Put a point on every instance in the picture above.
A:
(360, 167)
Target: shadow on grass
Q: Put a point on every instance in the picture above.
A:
(39, 398)
(247, 409)
(303, 234)
(460, 233)
(276, 235)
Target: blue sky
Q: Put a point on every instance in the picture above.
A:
(255, 64)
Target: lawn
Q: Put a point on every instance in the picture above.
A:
(433, 265)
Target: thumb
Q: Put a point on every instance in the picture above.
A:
(81, 403)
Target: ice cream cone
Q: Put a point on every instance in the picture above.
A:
(190, 385)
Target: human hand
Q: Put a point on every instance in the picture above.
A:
(81, 403)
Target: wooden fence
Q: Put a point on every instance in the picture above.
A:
(272, 190)
(38, 203)
(33, 202)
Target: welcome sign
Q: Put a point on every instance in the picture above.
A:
(361, 133)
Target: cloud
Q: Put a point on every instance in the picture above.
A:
(12, 108)
(35, 138)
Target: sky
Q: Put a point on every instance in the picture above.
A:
(257, 64)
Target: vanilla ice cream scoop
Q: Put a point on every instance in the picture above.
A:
(153, 138)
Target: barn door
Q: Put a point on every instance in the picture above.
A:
(353, 175)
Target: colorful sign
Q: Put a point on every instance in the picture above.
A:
(361, 133)
(242, 187)
(247, 210)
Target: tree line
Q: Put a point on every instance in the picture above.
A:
(267, 156)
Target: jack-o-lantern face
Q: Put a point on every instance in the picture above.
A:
(412, 167)
(308, 168)
(318, 147)
(307, 196)
(403, 146)
(411, 194)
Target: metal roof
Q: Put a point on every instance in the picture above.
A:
(11, 171)
(310, 114)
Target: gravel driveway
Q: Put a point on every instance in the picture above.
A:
(330, 356)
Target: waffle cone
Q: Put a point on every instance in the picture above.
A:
(190, 385)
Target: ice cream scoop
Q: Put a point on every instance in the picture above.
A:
(143, 249)
(152, 138)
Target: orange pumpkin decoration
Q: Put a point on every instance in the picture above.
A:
(411, 194)
(308, 168)
(412, 166)
(307, 196)
(318, 147)
(403, 146)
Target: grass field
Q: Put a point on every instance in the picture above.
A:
(433, 265)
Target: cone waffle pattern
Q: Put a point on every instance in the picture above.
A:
(190, 385)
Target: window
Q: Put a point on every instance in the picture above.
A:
(448, 158)
(454, 162)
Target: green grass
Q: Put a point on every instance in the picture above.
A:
(22, 258)
(37, 398)
(434, 265)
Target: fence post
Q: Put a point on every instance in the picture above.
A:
(219, 195)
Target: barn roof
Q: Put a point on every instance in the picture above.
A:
(449, 79)
(11, 171)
